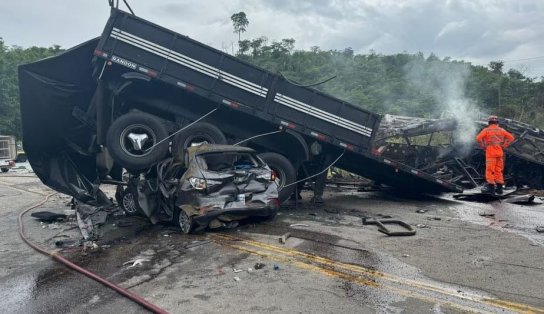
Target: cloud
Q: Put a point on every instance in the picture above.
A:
(478, 31)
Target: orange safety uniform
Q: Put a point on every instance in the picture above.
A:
(494, 139)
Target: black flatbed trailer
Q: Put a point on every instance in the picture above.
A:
(198, 78)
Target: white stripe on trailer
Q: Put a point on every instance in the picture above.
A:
(342, 120)
(215, 73)
(324, 115)
(319, 114)
(169, 52)
(189, 62)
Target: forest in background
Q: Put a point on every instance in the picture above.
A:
(403, 84)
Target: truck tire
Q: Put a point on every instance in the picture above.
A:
(285, 173)
(130, 138)
(200, 132)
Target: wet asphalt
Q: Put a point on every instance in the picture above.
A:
(465, 257)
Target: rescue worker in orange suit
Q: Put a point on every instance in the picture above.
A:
(494, 139)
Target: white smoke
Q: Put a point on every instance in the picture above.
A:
(446, 83)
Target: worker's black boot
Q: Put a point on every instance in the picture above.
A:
(488, 189)
(499, 189)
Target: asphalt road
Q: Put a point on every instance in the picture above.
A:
(459, 261)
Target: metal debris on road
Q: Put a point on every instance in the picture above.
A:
(47, 216)
(136, 262)
(383, 229)
(484, 213)
(237, 279)
(434, 218)
(421, 211)
(237, 270)
(259, 266)
(284, 238)
(331, 210)
(422, 226)
(298, 225)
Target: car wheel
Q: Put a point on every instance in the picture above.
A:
(5, 169)
(183, 221)
(128, 200)
(285, 173)
(198, 133)
(131, 140)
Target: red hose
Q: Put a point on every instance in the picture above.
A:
(56, 256)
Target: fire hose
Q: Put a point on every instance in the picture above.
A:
(55, 255)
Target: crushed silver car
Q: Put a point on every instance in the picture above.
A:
(213, 186)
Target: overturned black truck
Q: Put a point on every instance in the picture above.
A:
(141, 93)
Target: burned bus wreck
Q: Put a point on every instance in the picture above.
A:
(432, 145)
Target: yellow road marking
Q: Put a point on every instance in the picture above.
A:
(338, 269)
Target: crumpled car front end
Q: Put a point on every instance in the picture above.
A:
(223, 184)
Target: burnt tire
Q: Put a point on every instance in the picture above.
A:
(130, 138)
(285, 172)
(200, 132)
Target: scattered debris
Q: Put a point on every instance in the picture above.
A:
(381, 226)
(249, 270)
(485, 213)
(136, 262)
(331, 210)
(434, 218)
(259, 266)
(405, 255)
(421, 211)
(66, 243)
(86, 227)
(540, 229)
(276, 267)
(237, 270)
(508, 226)
(237, 279)
(524, 200)
(47, 216)
(422, 226)
(284, 238)
(298, 225)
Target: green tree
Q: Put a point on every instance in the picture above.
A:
(240, 23)
(496, 66)
(10, 59)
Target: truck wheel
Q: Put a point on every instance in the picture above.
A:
(198, 133)
(131, 137)
(285, 173)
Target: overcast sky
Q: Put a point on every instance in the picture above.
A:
(478, 31)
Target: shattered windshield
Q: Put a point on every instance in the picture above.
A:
(228, 161)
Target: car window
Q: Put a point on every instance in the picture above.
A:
(227, 161)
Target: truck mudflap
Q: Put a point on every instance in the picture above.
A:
(55, 95)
